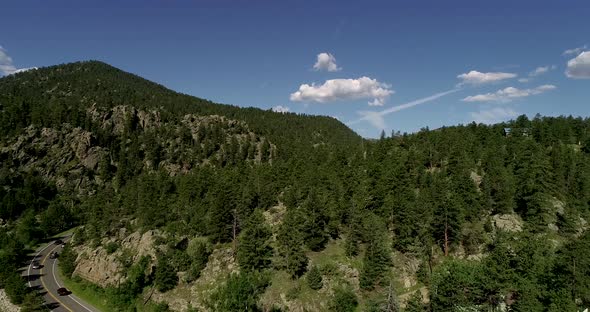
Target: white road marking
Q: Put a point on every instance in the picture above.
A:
(59, 286)
(31, 264)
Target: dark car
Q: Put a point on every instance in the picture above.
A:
(36, 265)
(63, 291)
(59, 242)
(53, 255)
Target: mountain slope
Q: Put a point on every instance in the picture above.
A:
(53, 95)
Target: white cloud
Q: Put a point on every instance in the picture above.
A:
(575, 50)
(579, 67)
(6, 65)
(508, 94)
(494, 115)
(280, 109)
(541, 70)
(344, 89)
(524, 80)
(326, 61)
(376, 118)
(477, 78)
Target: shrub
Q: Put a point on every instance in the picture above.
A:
(239, 293)
(344, 300)
(111, 247)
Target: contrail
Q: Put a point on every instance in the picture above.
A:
(376, 118)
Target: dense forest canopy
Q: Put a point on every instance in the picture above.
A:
(434, 195)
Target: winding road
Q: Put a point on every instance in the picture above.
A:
(47, 281)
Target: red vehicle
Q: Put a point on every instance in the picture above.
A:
(63, 291)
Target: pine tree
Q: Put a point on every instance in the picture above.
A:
(290, 244)
(165, 277)
(254, 250)
(376, 260)
(314, 225)
(314, 278)
(351, 245)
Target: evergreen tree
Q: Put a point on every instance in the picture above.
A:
(314, 224)
(290, 244)
(254, 250)
(165, 277)
(314, 278)
(376, 259)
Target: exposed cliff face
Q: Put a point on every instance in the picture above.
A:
(63, 156)
(83, 159)
(100, 267)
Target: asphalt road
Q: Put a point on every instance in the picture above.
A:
(47, 281)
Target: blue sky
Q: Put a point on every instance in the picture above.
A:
(400, 65)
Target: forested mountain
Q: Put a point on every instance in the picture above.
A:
(220, 208)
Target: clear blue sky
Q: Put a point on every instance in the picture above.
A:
(262, 53)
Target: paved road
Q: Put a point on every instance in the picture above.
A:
(47, 281)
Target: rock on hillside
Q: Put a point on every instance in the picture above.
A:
(82, 159)
(100, 267)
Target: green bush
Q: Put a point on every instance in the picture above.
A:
(111, 247)
(199, 251)
(239, 293)
(344, 300)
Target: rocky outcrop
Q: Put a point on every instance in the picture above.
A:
(73, 158)
(59, 155)
(99, 267)
(507, 222)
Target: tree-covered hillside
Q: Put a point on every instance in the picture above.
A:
(248, 209)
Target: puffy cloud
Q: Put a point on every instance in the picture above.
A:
(579, 67)
(494, 115)
(6, 65)
(477, 78)
(280, 109)
(344, 89)
(326, 61)
(508, 94)
(575, 50)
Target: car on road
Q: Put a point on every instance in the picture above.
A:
(53, 255)
(63, 291)
(59, 242)
(36, 265)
